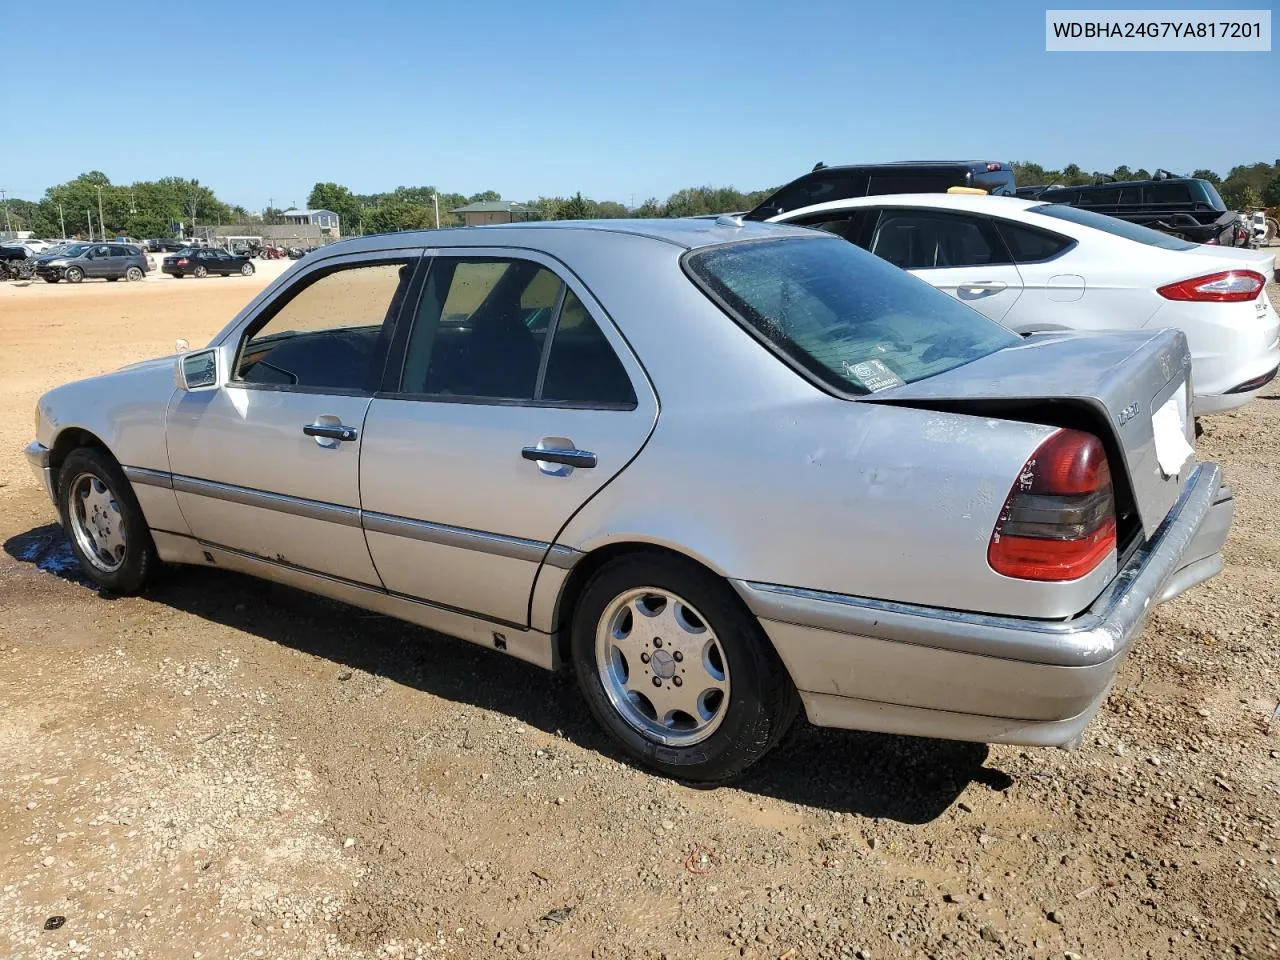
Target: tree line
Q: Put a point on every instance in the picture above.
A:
(152, 208)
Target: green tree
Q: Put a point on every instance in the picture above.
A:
(575, 208)
(1204, 173)
(1271, 193)
(484, 195)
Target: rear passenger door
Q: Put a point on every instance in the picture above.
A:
(958, 253)
(513, 401)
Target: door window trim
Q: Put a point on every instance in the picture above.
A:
(398, 355)
(412, 257)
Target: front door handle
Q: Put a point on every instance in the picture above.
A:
(330, 431)
(567, 456)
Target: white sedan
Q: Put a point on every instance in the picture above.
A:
(1046, 266)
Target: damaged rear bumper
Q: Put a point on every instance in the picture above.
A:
(903, 668)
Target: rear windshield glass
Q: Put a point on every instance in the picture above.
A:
(1209, 194)
(850, 320)
(1112, 225)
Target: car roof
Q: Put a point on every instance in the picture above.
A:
(688, 233)
(941, 201)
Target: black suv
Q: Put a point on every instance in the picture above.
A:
(1182, 206)
(824, 183)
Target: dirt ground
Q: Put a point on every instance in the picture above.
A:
(227, 768)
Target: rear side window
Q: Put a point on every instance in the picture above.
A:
(929, 239)
(1060, 196)
(506, 329)
(1028, 245)
(1112, 225)
(847, 226)
(120, 251)
(1100, 196)
(1158, 193)
(921, 183)
(850, 321)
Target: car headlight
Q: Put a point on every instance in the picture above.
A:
(55, 263)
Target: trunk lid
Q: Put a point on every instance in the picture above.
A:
(1238, 258)
(1131, 389)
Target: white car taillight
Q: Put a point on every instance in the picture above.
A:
(1059, 521)
(1230, 286)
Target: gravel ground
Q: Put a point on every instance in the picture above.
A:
(227, 768)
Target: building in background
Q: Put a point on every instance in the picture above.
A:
(495, 211)
(326, 220)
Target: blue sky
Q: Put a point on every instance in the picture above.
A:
(620, 101)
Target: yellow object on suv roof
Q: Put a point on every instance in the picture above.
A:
(969, 190)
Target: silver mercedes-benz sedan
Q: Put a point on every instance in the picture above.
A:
(725, 470)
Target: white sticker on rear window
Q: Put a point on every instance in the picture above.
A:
(872, 374)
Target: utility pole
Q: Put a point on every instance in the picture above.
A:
(89, 213)
(266, 214)
(62, 221)
(435, 199)
(102, 223)
(5, 201)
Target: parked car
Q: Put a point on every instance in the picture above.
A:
(16, 262)
(193, 262)
(1040, 266)
(857, 496)
(1185, 207)
(823, 183)
(107, 261)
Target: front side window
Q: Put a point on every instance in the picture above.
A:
(482, 332)
(929, 239)
(844, 225)
(326, 335)
(849, 320)
(1167, 193)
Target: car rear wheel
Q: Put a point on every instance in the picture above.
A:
(677, 670)
(133, 274)
(200, 272)
(74, 274)
(246, 270)
(100, 513)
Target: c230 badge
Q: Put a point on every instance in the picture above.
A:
(1127, 414)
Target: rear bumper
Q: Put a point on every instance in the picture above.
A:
(38, 456)
(902, 668)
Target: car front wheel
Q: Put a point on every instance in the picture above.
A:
(677, 670)
(100, 513)
(74, 274)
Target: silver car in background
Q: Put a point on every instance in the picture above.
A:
(727, 471)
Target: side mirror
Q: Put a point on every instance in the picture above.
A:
(197, 371)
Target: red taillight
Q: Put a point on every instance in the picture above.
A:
(182, 261)
(1059, 520)
(1230, 286)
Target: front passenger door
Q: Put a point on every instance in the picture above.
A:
(97, 263)
(268, 464)
(960, 254)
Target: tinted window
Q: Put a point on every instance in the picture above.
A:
(1100, 196)
(1028, 245)
(327, 333)
(480, 329)
(120, 251)
(1112, 225)
(810, 190)
(102, 251)
(844, 225)
(921, 183)
(1060, 196)
(582, 367)
(1167, 193)
(847, 319)
(1205, 192)
(923, 239)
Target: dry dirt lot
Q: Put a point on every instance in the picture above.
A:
(227, 768)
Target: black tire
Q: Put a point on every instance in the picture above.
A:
(140, 560)
(133, 274)
(247, 270)
(200, 272)
(762, 702)
(52, 279)
(112, 279)
(74, 275)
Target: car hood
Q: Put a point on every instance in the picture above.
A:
(1116, 380)
(157, 362)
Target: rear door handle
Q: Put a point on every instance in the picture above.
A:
(991, 286)
(568, 457)
(330, 431)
